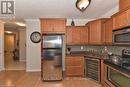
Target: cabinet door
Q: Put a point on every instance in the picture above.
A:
(95, 32)
(46, 25)
(128, 17)
(108, 31)
(59, 25)
(68, 35)
(76, 35)
(84, 35)
(123, 4)
(120, 20)
(74, 66)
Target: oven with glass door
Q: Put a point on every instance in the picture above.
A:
(115, 78)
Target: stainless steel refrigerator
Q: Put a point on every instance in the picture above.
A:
(52, 57)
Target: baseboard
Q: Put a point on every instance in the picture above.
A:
(33, 70)
(2, 69)
(22, 60)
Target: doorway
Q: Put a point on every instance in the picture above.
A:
(12, 51)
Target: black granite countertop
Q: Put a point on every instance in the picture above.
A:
(117, 67)
(87, 54)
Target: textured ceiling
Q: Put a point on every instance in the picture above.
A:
(32, 9)
(61, 8)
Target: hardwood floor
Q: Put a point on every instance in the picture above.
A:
(32, 79)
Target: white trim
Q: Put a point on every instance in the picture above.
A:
(22, 60)
(2, 69)
(33, 70)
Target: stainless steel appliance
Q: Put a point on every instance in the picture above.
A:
(118, 74)
(116, 78)
(52, 57)
(121, 36)
(92, 68)
(116, 59)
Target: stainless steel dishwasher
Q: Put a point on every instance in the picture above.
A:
(93, 68)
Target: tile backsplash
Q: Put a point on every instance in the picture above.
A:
(113, 49)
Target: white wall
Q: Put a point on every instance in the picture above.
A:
(22, 43)
(33, 50)
(111, 12)
(78, 22)
(1, 45)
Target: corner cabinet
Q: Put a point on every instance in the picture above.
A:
(96, 31)
(76, 35)
(107, 30)
(49, 25)
(121, 19)
(74, 66)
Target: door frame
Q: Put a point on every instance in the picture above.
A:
(2, 45)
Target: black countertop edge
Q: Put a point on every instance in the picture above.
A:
(95, 57)
(119, 68)
(86, 55)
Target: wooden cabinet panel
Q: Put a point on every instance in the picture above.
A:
(102, 72)
(74, 66)
(70, 61)
(95, 32)
(108, 27)
(46, 25)
(106, 85)
(53, 25)
(120, 20)
(76, 35)
(123, 4)
(128, 17)
(69, 35)
(84, 35)
(59, 25)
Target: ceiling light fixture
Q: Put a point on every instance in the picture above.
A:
(82, 4)
(20, 23)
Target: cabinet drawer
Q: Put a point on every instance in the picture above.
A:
(69, 61)
(78, 62)
(74, 71)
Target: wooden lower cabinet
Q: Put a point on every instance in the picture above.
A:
(106, 85)
(74, 66)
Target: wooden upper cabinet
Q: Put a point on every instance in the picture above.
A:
(59, 25)
(53, 25)
(46, 25)
(121, 19)
(69, 35)
(95, 31)
(84, 35)
(108, 27)
(123, 4)
(76, 35)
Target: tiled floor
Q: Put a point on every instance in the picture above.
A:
(23, 79)
(10, 64)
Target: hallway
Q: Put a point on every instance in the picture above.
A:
(11, 64)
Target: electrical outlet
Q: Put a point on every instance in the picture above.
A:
(81, 47)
